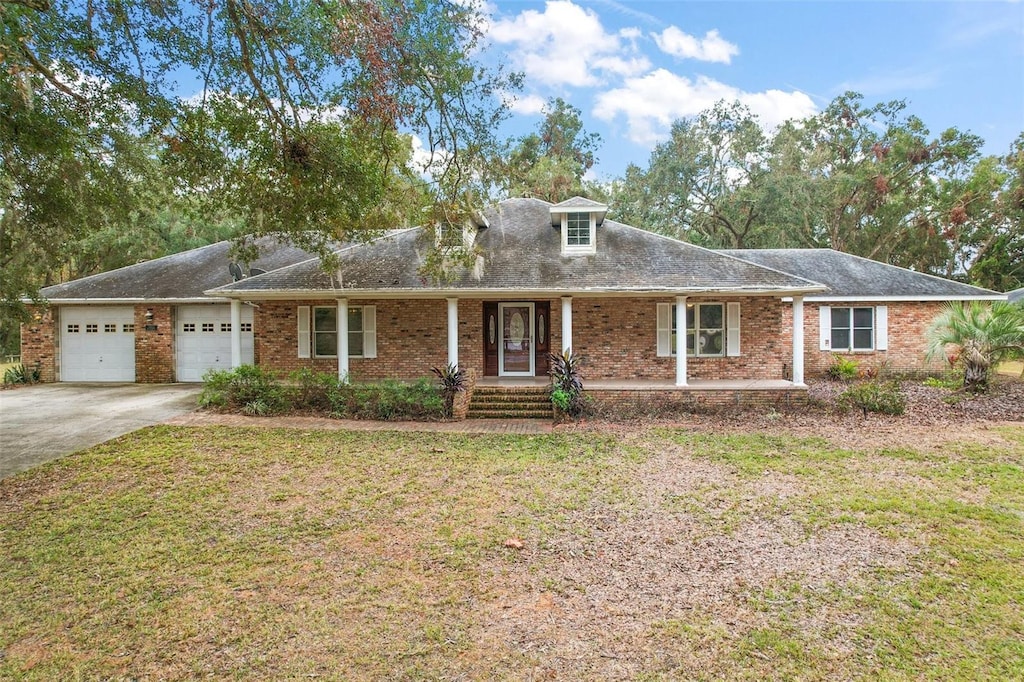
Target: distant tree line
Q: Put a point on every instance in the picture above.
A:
(867, 180)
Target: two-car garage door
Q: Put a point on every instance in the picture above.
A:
(98, 342)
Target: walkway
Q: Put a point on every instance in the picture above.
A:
(516, 426)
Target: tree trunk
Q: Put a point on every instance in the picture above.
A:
(976, 367)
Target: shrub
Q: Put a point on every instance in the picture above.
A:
(949, 383)
(257, 392)
(242, 387)
(388, 400)
(842, 368)
(561, 399)
(567, 383)
(453, 380)
(884, 397)
(311, 391)
(20, 374)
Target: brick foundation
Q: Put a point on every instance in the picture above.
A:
(627, 403)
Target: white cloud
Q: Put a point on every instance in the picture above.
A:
(567, 45)
(527, 106)
(651, 103)
(630, 33)
(711, 48)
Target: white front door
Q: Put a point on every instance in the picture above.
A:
(202, 340)
(516, 352)
(97, 343)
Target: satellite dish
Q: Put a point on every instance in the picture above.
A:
(256, 271)
(236, 271)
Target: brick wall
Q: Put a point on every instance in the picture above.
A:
(154, 348)
(412, 337)
(618, 338)
(38, 342)
(908, 323)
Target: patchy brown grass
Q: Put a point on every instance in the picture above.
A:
(648, 552)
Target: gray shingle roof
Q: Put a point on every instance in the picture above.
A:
(521, 251)
(578, 203)
(852, 276)
(179, 276)
(1016, 295)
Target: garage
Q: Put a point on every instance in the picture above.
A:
(97, 343)
(202, 340)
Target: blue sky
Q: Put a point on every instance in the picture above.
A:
(633, 67)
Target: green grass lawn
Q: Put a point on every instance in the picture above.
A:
(662, 554)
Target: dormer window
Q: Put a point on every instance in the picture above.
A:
(577, 220)
(579, 231)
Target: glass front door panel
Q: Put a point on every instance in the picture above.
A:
(517, 339)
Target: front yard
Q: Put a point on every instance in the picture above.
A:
(645, 553)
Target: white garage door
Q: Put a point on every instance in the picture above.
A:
(97, 343)
(202, 340)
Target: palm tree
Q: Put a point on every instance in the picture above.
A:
(984, 334)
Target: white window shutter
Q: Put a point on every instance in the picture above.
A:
(303, 315)
(732, 321)
(825, 327)
(664, 330)
(369, 331)
(882, 328)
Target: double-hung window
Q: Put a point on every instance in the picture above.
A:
(578, 233)
(854, 328)
(577, 229)
(712, 329)
(318, 331)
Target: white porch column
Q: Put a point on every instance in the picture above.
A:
(453, 331)
(236, 334)
(343, 339)
(680, 341)
(566, 323)
(798, 341)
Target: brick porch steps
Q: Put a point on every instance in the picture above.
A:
(510, 402)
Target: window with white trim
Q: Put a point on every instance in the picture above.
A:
(854, 328)
(712, 329)
(325, 332)
(577, 229)
(578, 233)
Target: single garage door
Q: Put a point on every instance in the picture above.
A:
(202, 339)
(97, 343)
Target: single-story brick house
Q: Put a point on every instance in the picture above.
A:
(545, 277)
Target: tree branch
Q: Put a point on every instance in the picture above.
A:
(37, 5)
(50, 76)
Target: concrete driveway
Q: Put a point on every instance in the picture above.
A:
(48, 421)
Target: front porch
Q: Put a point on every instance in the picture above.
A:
(527, 396)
